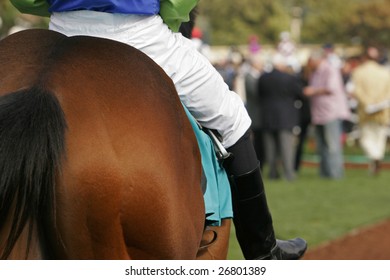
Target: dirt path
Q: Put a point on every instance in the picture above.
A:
(371, 243)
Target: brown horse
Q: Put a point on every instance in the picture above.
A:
(97, 157)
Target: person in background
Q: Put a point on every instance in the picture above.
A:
(287, 48)
(331, 55)
(304, 115)
(254, 46)
(253, 105)
(371, 86)
(328, 103)
(278, 92)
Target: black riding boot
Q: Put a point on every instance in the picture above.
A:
(252, 218)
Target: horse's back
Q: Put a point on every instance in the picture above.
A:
(129, 186)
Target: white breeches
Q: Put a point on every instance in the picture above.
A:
(200, 87)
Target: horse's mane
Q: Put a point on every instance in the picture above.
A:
(32, 128)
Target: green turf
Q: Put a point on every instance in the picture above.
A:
(320, 210)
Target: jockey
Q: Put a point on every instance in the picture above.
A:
(151, 26)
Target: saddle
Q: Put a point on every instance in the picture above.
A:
(216, 194)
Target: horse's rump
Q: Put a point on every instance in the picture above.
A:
(129, 186)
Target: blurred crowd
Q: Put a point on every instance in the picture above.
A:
(327, 97)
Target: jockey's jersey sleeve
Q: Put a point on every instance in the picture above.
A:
(173, 12)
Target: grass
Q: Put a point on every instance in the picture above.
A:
(320, 210)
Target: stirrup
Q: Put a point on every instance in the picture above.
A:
(205, 245)
(272, 255)
(220, 150)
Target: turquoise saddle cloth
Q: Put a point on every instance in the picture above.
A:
(217, 197)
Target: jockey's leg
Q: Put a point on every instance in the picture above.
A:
(252, 218)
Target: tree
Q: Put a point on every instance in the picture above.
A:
(232, 22)
(323, 21)
(370, 21)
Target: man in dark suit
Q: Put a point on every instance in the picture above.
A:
(279, 94)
